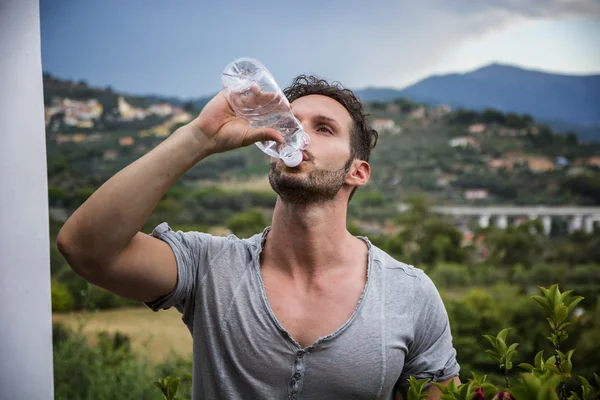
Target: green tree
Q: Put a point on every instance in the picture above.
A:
(521, 244)
(247, 223)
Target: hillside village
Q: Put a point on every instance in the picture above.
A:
(450, 156)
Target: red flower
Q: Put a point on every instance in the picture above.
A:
(479, 394)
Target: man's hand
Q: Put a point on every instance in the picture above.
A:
(218, 124)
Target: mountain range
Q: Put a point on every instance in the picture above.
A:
(562, 101)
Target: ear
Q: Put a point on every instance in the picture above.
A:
(359, 173)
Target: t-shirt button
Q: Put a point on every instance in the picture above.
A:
(300, 353)
(297, 376)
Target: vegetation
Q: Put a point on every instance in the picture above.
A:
(486, 280)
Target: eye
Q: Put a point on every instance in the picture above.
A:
(324, 128)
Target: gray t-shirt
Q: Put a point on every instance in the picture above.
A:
(240, 351)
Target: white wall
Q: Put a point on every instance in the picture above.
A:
(25, 312)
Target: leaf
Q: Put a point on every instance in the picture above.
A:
(172, 387)
(552, 368)
(567, 367)
(526, 367)
(565, 295)
(159, 385)
(562, 312)
(503, 333)
(539, 361)
(554, 295)
(564, 324)
(494, 355)
(465, 392)
(542, 302)
(574, 301)
(501, 346)
(513, 346)
(491, 339)
(548, 390)
(528, 389)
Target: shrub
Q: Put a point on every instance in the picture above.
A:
(110, 370)
(451, 275)
(62, 300)
(544, 379)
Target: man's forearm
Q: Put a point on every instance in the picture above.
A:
(111, 217)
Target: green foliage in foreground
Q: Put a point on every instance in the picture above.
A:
(108, 370)
(545, 380)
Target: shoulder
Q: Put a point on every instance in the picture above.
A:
(206, 243)
(400, 274)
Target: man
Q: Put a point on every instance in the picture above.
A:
(303, 309)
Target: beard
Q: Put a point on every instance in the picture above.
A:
(318, 187)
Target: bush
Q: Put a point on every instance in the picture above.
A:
(548, 377)
(62, 300)
(248, 223)
(451, 275)
(108, 371)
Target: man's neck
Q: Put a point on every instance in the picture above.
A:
(309, 240)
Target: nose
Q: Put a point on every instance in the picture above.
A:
(303, 140)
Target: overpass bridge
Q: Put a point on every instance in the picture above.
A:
(579, 218)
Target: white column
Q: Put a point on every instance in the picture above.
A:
(484, 221)
(576, 224)
(25, 312)
(547, 222)
(589, 223)
(502, 222)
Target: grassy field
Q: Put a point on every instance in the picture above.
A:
(163, 332)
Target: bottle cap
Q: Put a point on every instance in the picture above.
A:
(293, 159)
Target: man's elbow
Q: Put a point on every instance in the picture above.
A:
(79, 259)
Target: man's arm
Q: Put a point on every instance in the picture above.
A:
(102, 241)
(435, 394)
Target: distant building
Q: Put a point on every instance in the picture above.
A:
(129, 112)
(162, 110)
(125, 141)
(539, 164)
(500, 163)
(476, 194)
(386, 125)
(594, 161)
(464, 141)
(477, 128)
(417, 113)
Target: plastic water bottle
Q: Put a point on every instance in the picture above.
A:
(255, 97)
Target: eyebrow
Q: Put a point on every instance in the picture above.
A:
(324, 118)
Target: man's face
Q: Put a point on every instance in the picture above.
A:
(321, 174)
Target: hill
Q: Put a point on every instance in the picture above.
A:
(452, 156)
(564, 101)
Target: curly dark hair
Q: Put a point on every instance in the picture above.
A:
(362, 137)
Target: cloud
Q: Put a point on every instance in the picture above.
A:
(555, 9)
(182, 47)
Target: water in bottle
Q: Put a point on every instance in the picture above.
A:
(255, 97)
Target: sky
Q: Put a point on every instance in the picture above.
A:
(180, 47)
